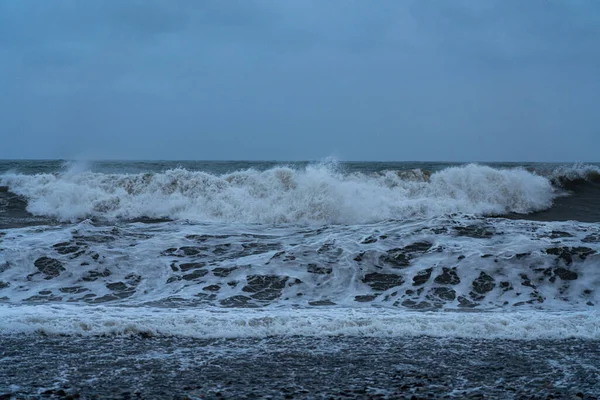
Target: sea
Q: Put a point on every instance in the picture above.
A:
(299, 280)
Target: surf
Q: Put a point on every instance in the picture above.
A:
(316, 194)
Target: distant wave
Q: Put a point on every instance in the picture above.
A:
(315, 194)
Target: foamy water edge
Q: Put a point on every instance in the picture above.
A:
(240, 323)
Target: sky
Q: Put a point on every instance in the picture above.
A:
(386, 80)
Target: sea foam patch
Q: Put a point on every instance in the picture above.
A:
(447, 263)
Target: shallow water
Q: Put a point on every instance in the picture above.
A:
(298, 367)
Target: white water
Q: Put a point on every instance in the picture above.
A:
(317, 194)
(87, 321)
(150, 260)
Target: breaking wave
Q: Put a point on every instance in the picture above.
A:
(573, 177)
(315, 194)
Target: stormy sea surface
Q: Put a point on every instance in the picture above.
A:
(299, 280)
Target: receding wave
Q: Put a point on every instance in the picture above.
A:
(315, 194)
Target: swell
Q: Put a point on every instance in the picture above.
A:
(315, 194)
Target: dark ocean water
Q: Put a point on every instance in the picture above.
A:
(306, 280)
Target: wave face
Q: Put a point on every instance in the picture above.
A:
(315, 194)
(571, 177)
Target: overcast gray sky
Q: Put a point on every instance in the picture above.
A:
(300, 79)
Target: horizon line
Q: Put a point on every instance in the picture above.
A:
(293, 161)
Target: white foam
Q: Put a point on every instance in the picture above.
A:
(102, 320)
(316, 194)
(516, 257)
